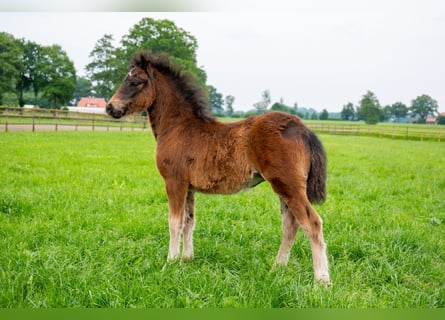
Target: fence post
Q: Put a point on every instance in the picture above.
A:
(57, 120)
(5, 110)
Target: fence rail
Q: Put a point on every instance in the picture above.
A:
(22, 119)
(396, 131)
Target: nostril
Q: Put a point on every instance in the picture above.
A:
(117, 114)
(114, 111)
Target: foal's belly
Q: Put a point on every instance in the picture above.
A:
(227, 184)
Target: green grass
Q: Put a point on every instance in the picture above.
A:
(83, 222)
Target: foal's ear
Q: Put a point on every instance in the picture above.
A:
(145, 64)
(149, 69)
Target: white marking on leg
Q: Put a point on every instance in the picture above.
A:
(289, 230)
(318, 246)
(175, 226)
(320, 261)
(189, 226)
(187, 252)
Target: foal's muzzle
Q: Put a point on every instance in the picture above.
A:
(114, 112)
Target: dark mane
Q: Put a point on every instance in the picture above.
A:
(186, 82)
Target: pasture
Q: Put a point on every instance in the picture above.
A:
(83, 223)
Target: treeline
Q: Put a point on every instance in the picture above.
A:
(370, 110)
(47, 72)
(44, 71)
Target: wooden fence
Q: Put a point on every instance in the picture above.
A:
(393, 131)
(22, 119)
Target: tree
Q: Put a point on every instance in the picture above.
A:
(229, 104)
(369, 108)
(102, 70)
(295, 108)
(31, 52)
(387, 113)
(348, 112)
(10, 63)
(314, 116)
(59, 75)
(324, 115)
(40, 72)
(423, 106)
(399, 110)
(280, 106)
(262, 105)
(216, 100)
(161, 36)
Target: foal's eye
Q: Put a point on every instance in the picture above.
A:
(134, 84)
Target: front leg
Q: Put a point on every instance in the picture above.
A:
(187, 251)
(176, 193)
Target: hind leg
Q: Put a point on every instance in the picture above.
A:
(312, 225)
(187, 251)
(300, 213)
(289, 229)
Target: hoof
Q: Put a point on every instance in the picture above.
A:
(323, 280)
(186, 259)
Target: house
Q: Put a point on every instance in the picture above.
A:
(90, 102)
(430, 120)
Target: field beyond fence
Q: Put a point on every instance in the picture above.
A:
(23, 119)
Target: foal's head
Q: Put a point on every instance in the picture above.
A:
(136, 93)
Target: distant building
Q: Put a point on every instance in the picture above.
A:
(90, 102)
(430, 120)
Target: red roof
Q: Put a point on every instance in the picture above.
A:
(430, 120)
(90, 102)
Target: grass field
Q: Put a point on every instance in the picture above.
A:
(83, 222)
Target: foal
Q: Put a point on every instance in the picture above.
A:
(197, 153)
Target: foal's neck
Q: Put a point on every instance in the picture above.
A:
(170, 108)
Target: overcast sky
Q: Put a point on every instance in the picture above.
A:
(319, 54)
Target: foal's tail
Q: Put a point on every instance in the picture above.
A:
(316, 181)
